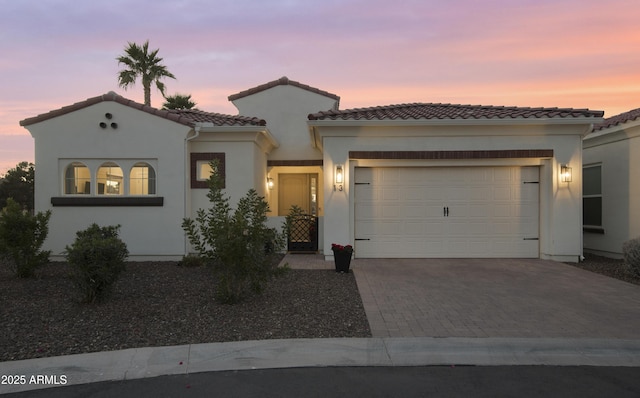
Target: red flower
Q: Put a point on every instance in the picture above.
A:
(339, 248)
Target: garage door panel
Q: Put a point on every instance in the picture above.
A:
(492, 213)
(364, 175)
(464, 229)
(483, 211)
(480, 193)
(414, 193)
(366, 211)
(391, 194)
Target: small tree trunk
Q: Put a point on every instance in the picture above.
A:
(147, 95)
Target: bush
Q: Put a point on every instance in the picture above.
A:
(631, 254)
(96, 259)
(21, 237)
(239, 245)
(192, 261)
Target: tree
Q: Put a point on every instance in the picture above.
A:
(21, 238)
(178, 101)
(18, 184)
(141, 63)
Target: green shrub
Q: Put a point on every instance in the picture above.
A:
(631, 254)
(96, 259)
(21, 237)
(192, 261)
(239, 244)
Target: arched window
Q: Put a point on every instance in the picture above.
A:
(109, 179)
(77, 179)
(142, 179)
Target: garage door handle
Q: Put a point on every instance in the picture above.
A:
(446, 211)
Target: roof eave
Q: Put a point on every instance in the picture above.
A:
(618, 132)
(283, 81)
(262, 130)
(110, 96)
(457, 122)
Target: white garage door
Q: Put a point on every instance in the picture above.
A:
(446, 212)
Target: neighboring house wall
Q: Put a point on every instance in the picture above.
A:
(617, 151)
(560, 203)
(139, 136)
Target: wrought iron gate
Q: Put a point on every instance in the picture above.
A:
(303, 235)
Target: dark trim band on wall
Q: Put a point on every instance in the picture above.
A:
(311, 162)
(428, 155)
(595, 230)
(107, 201)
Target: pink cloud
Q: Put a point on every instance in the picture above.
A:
(527, 53)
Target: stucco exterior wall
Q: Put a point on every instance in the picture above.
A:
(560, 203)
(245, 166)
(139, 136)
(285, 109)
(618, 153)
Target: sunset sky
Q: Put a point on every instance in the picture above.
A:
(564, 53)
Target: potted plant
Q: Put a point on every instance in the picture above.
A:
(342, 256)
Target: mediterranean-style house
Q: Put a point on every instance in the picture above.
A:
(611, 188)
(409, 180)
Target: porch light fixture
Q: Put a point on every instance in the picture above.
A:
(338, 178)
(270, 182)
(565, 173)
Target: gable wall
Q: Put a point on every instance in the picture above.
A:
(285, 109)
(77, 136)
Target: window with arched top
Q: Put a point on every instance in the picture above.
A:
(109, 179)
(77, 179)
(142, 179)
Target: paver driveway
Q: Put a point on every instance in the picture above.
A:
(494, 298)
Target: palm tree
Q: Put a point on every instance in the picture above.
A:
(178, 101)
(139, 62)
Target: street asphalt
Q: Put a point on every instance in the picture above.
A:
(405, 382)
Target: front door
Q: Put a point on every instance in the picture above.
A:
(299, 190)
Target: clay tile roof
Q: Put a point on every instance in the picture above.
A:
(283, 81)
(417, 111)
(219, 119)
(618, 119)
(185, 117)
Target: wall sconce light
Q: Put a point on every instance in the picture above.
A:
(270, 182)
(338, 178)
(565, 173)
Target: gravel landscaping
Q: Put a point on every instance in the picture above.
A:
(607, 266)
(160, 303)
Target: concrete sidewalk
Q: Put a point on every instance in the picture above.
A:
(269, 354)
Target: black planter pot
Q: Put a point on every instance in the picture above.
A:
(342, 260)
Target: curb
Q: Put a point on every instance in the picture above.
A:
(136, 363)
